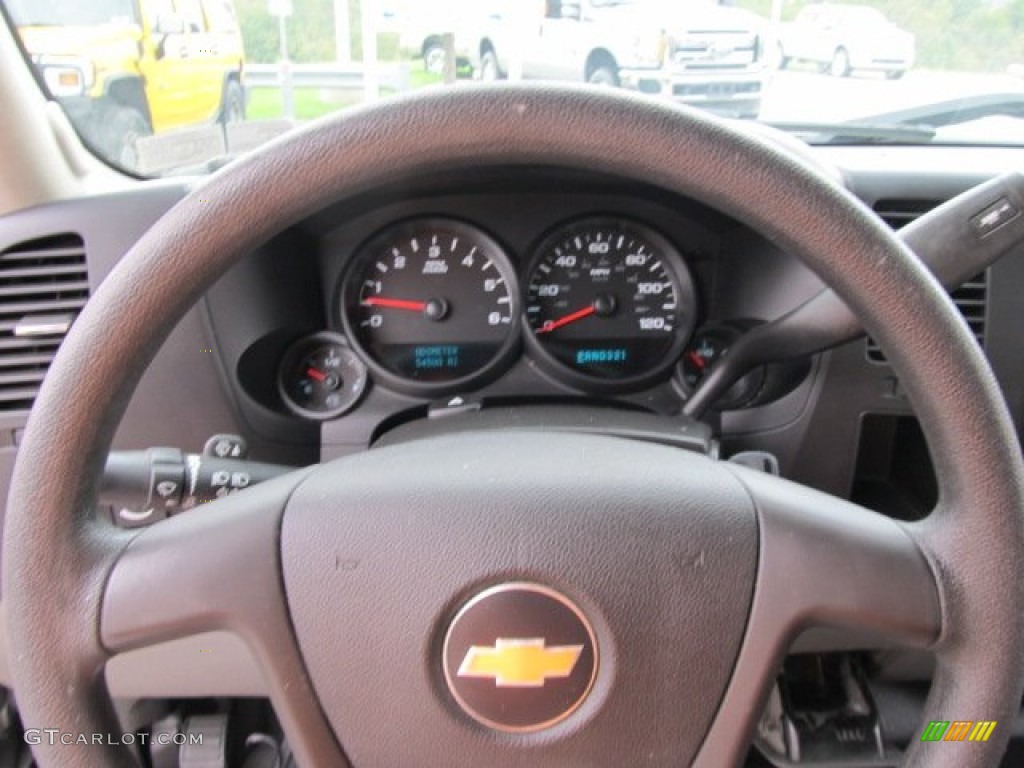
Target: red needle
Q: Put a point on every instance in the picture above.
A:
(697, 360)
(551, 325)
(380, 301)
(313, 373)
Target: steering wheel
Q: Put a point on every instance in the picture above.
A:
(518, 597)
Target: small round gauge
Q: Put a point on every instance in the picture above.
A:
(432, 305)
(320, 377)
(707, 346)
(609, 304)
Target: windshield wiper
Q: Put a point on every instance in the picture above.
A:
(954, 111)
(858, 132)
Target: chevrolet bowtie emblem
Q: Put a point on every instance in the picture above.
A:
(520, 663)
(519, 657)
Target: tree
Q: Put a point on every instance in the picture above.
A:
(310, 31)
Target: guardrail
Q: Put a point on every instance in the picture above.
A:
(334, 76)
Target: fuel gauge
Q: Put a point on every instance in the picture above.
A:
(706, 347)
(320, 377)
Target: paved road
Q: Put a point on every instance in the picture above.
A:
(807, 96)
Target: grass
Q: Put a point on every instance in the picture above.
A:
(311, 103)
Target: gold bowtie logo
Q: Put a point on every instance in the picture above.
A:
(520, 662)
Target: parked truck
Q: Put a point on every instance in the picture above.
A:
(693, 51)
(124, 69)
(841, 38)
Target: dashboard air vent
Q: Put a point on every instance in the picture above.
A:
(971, 298)
(897, 213)
(43, 286)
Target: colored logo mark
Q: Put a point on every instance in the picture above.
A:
(958, 730)
(520, 663)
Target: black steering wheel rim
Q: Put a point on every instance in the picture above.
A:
(58, 558)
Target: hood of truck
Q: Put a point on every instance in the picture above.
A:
(684, 18)
(97, 43)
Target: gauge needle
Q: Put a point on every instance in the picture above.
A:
(380, 301)
(551, 325)
(697, 360)
(313, 373)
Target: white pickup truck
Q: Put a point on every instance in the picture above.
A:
(694, 51)
(841, 38)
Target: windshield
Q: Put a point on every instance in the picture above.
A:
(70, 13)
(190, 84)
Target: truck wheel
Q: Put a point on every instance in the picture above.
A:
(840, 66)
(489, 70)
(604, 75)
(781, 57)
(434, 57)
(232, 106)
(119, 131)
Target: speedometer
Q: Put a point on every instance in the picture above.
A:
(432, 306)
(609, 304)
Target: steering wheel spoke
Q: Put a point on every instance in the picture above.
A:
(218, 568)
(230, 579)
(826, 562)
(823, 562)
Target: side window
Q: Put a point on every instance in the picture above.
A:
(553, 9)
(159, 13)
(191, 12)
(220, 14)
(160, 9)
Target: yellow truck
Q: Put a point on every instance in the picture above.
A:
(124, 69)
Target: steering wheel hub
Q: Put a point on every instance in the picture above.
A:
(562, 591)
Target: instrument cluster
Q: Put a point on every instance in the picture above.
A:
(435, 306)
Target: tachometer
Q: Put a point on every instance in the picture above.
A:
(609, 304)
(432, 305)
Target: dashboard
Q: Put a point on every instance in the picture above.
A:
(310, 300)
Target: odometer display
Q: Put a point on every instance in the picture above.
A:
(609, 302)
(432, 304)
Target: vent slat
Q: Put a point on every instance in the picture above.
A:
(28, 342)
(971, 298)
(45, 272)
(21, 377)
(39, 280)
(56, 258)
(68, 254)
(36, 358)
(21, 308)
(43, 289)
(19, 396)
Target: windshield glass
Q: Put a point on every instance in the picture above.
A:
(56, 13)
(165, 87)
